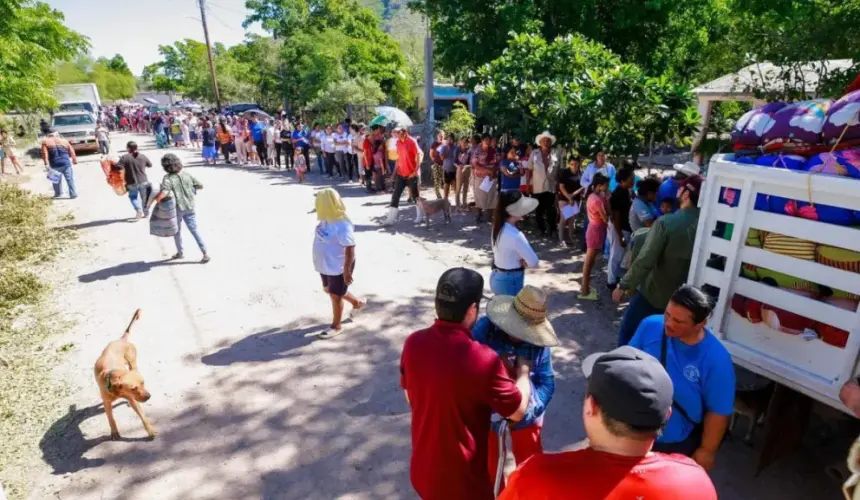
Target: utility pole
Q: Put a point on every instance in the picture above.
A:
(202, 4)
(428, 93)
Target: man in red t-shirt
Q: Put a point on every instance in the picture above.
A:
(629, 400)
(406, 174)
(453, 383)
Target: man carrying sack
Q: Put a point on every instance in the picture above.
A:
(518, 330)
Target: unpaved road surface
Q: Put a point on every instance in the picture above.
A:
(247, 402)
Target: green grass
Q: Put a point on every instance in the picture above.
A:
(28, 394)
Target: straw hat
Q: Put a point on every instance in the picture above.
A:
(522, 207)
(523, 317)
(545, 134)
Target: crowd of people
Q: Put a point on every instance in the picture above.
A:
(656, 408)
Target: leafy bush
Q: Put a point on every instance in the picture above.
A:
(584, 94)
(461, 123)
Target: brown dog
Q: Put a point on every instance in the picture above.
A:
(117, 377)
(433, 207)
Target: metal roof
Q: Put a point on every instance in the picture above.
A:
(765, 76)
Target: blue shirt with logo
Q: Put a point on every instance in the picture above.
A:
(302, 137)
(703, 376)
(511, 183)
(256, 131)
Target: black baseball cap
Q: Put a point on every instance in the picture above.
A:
(630, 386)
(460, 286)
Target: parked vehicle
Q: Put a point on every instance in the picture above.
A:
(787, 286)
(79, 128)
(78, 97)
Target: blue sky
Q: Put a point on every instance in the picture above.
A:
(135, 28)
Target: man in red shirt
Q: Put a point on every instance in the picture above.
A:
(406, 174)
(453, 383)
(629, 400)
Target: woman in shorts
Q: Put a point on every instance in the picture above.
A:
(7, 150)
(334, 256)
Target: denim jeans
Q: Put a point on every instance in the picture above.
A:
(614, 271)
(104, 147)
(340, 164)
(190, 219)
(400, 184)
(637, 309)
(320, 160)
(507, 282)
(69, 174)
(139, 195)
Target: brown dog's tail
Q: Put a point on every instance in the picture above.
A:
(128, 328)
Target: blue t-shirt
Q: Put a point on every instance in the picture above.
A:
(510, 183)
(701, 373)
(301, 137)
(668, 189)
(256, 131)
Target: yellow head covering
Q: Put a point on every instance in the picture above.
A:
(329, 206)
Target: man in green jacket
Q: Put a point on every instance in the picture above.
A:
(663, 263)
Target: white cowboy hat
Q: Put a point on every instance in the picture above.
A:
(688, 168)
(545, 134)
(522, 207)
(523, 317)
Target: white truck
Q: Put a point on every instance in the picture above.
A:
(78, 97)
(819, 352)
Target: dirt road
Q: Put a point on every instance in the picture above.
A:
(248, 404)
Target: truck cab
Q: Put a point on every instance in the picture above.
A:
(77, 127)
(71, 106)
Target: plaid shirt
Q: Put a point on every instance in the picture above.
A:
(541, 377)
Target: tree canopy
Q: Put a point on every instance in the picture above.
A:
(584, 94)
(33, 39)
(687, 40)
(112, 76)
(328, 40)
(329, 106)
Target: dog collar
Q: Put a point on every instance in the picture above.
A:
(107, 380)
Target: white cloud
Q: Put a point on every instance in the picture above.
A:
(848, 113)
(809, 122)
(761, 124)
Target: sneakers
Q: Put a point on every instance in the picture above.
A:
(205, 259)
(592, 295)
(391, 218)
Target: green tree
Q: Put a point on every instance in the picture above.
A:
(461, 123)
(327, 40)
(112, 76)
(584, 94)
(329, 106)
(33, 39)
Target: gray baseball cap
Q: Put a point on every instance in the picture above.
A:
(630, 386)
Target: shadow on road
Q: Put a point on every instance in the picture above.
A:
(64, 445)
(96, 223)
(128, 268)
(268, 345)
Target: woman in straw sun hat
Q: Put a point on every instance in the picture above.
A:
(512, 253)
(518, 330)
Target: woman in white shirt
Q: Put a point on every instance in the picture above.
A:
(512, 253)
(341, 145)
(328, 147)
(334, 256)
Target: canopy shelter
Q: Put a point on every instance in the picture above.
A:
(760, 78)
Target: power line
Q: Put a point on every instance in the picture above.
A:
(228, 9)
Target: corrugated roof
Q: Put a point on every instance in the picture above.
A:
(765, 76)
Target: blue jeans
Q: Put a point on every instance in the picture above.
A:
(69, 175)
(638, 309)
(319, 161)
(507, 282)
(139, 194)
(190, 219)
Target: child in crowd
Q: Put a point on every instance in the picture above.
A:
(511, 172)
(667, 206)
(300, 165)
(595, 235)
